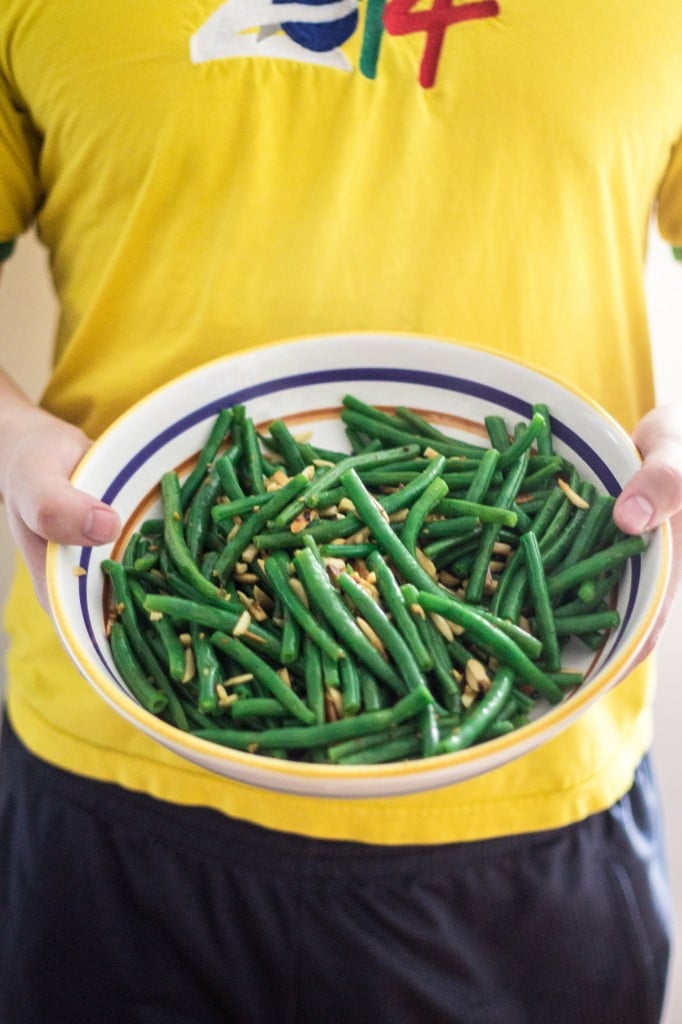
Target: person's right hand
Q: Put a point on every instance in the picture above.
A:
(38, 452)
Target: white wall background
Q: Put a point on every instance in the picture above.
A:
(27, 313)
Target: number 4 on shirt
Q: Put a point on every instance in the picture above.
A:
(400, 19)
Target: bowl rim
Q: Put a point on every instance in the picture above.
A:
(553, 721)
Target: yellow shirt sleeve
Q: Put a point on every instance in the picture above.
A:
(19, 186)
(670, 199)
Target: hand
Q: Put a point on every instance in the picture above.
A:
(654, 494)
(37, 455)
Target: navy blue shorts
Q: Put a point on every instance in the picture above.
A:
(116, 909)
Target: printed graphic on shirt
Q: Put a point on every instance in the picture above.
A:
(312, 31)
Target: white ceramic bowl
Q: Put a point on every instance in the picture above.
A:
(303, 381)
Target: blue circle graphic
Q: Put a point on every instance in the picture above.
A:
(320, 37)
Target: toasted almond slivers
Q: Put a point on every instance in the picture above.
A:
(370, 634)
(333, 704)
(246, 577)
(155, 616)
(190, 666)
(575, 499)
(468, 698)
(225, 698)
(283, 674)
(444, 628)
(242, 624)
(426, 563)
(263, 599)
(245, 677)
(417, 609)
(299, 590)
(78, 570)
(476, 676)
(346, 505)
(303, 519)
(321, 463)
(400, 516)
(249, 554)
(430, 453)
(501, 548)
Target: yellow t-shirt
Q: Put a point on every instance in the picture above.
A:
(206, 177)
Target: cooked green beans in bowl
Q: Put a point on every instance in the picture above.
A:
(413, 594)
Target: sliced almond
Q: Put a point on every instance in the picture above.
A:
(370, 634)
(242, 624)
(244, 677)
(476, 675)
(303, 519)
(573, 497)
(333, 704)
(299, 590)
(190, 666)
(426, 563)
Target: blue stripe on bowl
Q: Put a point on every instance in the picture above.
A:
(424, 378)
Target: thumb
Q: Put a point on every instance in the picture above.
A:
(654, 493)
(56, 511)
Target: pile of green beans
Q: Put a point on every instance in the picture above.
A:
(406, 598)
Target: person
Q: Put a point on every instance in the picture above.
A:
(222, 174)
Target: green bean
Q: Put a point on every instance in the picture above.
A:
(350, 687)
(133, 673)
(234, 548)
(497, 432)
(305, 737)
(593, 523)
(384, 629)
(328, 602)
(125, 607)
(371, 693)
(544, 442)
(199, 514)
(537, 583)
(369, 511)
(424, 504)
(338, 752)
(225, 468)
(475, 509)
(484, 476)
(277, 571)
(314, 687)
(250, 661)
(523, 441)
(208, 670)
(257, 707)
(426, 429)
(392, 596)
(508, 492)
(291, 638)
(174, 651)
(288, 446)
(568, 625)
(224, 618)
(480, 715)
(217, 436)
(175, 539)
(491, 638)
(322, 481)
(564, 579)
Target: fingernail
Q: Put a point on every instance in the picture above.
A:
(100, 525)
(636, 512)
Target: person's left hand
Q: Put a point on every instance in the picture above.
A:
(654, 494)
